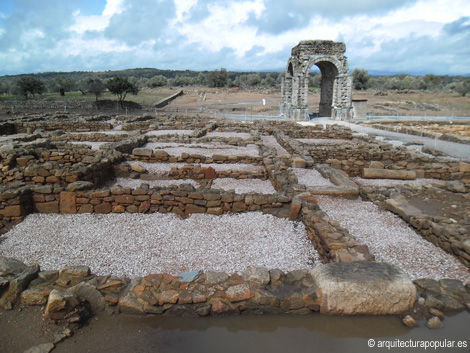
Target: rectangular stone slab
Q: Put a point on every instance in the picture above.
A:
(373, 173)
(363, 288)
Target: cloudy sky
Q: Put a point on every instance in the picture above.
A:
(392, 36)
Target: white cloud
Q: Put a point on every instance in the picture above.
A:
(225, 26)
(97, 22)
(236, 34)
(183, 8)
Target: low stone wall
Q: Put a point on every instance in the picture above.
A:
(161, 156)
(75, 294)
(189, 171)
(60, 168)
(354, 158)
(163, 102)
(65, 123)
(333, 243)
(404, 128)
(182, 200)
(92, 137)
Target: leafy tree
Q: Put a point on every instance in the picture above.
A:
(280, 77)
(96, 86)
(158, 81)
(30, 85)
(217, 78)
(181, 81)
(463, 88)
(121, 87)
(314, 80)
(201, 79)
(268, 81)
(360, 79)
(4, 88)
(431, 82)
(62, 84)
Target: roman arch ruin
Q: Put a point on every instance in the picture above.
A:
(336, 82)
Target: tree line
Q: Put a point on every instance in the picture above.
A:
(131, 81)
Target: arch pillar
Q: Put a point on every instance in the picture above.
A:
(336, 83)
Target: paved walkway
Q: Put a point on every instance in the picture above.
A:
(452, 149)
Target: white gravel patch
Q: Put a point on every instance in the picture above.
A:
(208, 150)
(135, 183)
(93, 145)
(391, 240)
(396, 182)
(324, 141)
(311, 177)
(270, 141)
(168, 132)
(102, 132)
(229, 134)
(162, 169)
(136, 244)
(235, 167)
(243, 186)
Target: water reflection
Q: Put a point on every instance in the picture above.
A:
(264, 333)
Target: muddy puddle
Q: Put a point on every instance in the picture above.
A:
(266, 333)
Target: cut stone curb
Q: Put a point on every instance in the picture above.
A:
(364, 288)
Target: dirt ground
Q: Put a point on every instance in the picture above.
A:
(246, 101)
(257, 101)
(25, 327)
(443, 204)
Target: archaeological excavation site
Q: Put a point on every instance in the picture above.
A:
(164, 213)
(195, 216)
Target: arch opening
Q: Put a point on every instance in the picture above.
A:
(328, 75)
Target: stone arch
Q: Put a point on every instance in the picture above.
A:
(336, 84)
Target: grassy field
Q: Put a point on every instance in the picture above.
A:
(145, 96)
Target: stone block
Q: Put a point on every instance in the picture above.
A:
(142, 152)
(91, 295)
(23, 160)
(136, 167)
(103, 208)
(192, 208)
(74, 271)
(238, 293)
(464, 167)
(13, 211)
(41, 348)
(47, 207)
(161, 154)
(216, 277)
(60, 304)
(455, 186)
(376, 165)
(374, 173)
(68, 202)
(239, 207)
(87, 208)
(220, 308)
(294, 210)
(80, 185)
(124, 199)
(298, 162)
(405, 210)
(33, 296)
(257, 275)
(364, 288)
